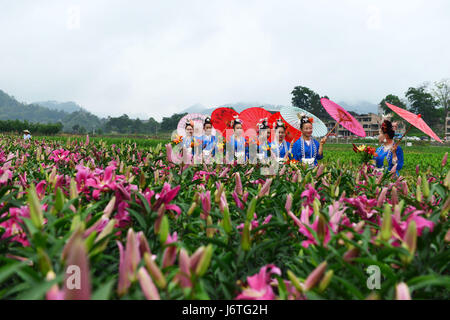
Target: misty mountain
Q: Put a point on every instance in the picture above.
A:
(360, 107)
(68, 107)
(11, 109)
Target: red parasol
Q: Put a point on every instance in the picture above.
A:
(342, 117)
(252, 116)
(292, 134)
(222, 118)
(415, 120)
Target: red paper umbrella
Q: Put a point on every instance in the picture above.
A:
(252, 116)
(292, 134)
(222, 118)
(415, 120)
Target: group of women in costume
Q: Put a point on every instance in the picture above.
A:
(305, 149)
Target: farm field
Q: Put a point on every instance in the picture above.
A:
(132, 225)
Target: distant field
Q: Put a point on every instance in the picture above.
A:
(421, 153)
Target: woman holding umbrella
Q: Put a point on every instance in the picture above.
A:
(306, 149)
(389, 151)
(279, 146)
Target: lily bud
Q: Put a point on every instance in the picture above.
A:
(192, 208)
(394, 196)
(226, 220)
(246, 241)
(59, 201)
(209, 231)
(402, 292)
(418, 194)
(147, 285)
(288, 204)
(195, 258)
(386, 227)
(110, 207)
(251, 209)
(294, 280)
(265, 188)
(238, 187)
(405, 188)
(326, 280)
(447, 180)
(164, 229)
(382, 197)
(319, 170)
(155, 272)
(336, 191)
(219, 193)
(73, 189)
(417, 169)
(204, 261)
(410, 241)
(78, 257)
(316, 207)
(36, 215)
(315, 276)
(425, 186)
(444, 159)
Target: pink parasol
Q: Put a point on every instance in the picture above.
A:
(342, 117)
(415, 120)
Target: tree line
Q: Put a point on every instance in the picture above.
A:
(17, 126)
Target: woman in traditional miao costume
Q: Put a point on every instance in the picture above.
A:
(279, 146)
(209, 141)
(238, 141)
(388, 152)
(306, 149)
(188, 142)
(263, 144)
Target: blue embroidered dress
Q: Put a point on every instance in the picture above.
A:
(209, 143)
(302, 149)
(387, 154)
(240, 147)
(280, 149)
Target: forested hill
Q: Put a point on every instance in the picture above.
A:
(11, 109)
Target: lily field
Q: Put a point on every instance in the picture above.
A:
(108, 218)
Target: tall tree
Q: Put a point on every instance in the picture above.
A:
(307, 99)
(441, 93)
(423, 102)
(396, 101)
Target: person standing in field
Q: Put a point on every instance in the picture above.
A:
(26, 135)
(388, 154)
(208, 140)
(237, 145)
(306, 149)
(279, 146)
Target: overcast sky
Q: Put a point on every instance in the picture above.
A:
(159, 57)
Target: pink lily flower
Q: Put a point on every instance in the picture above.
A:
(166, 195)
(310, 193)
(259, 287)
